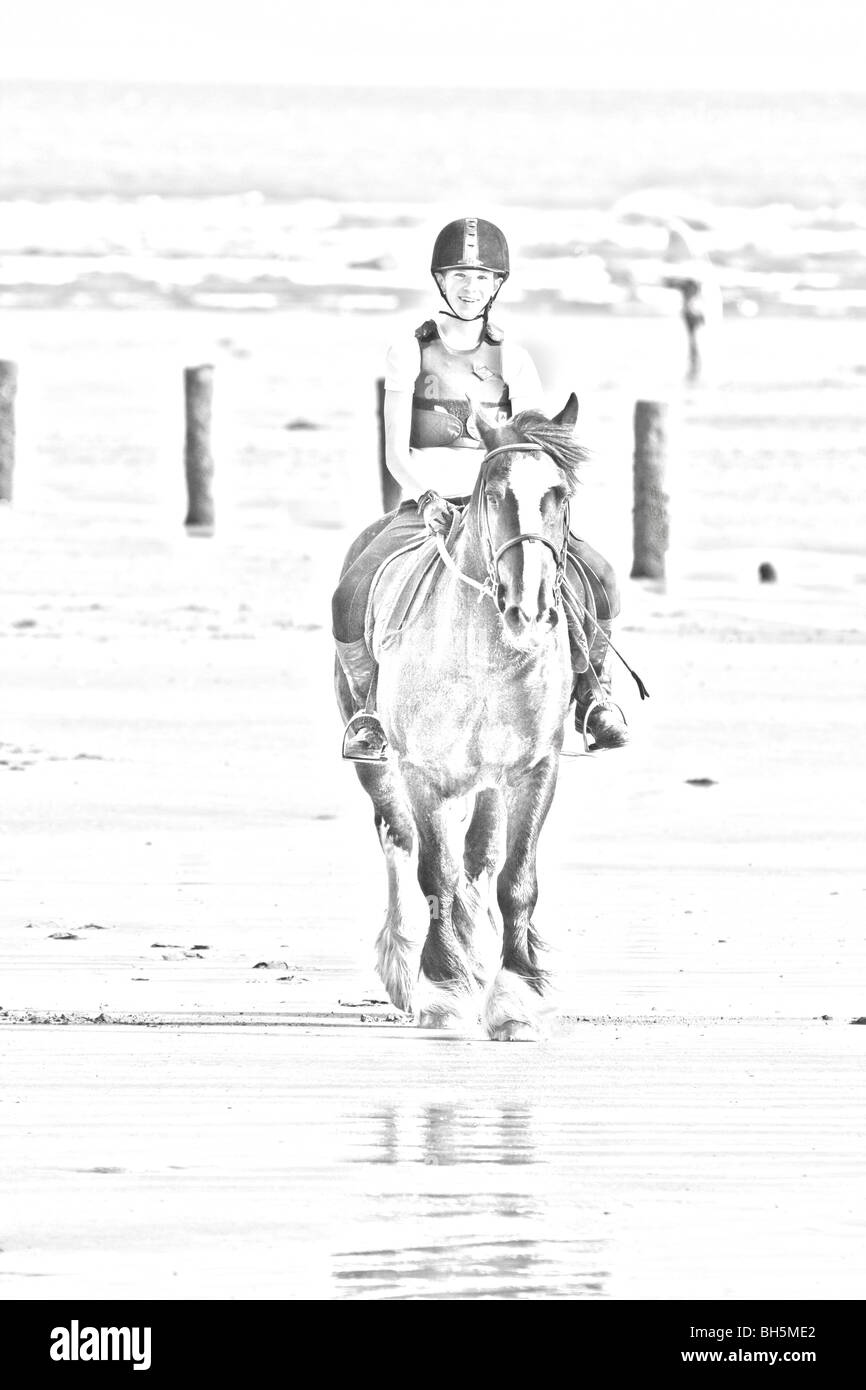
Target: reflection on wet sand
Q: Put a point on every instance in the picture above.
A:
(673, 1161)
(495, 1243)
(448, 1133)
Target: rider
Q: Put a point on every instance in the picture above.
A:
(457, 360)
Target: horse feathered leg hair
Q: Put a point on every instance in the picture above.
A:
(449, 991)
(513, 1009)
(397, 944)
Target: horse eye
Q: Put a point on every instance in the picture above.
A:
(491, 500)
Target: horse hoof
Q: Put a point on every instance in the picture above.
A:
(513, 1010)
(514, 1031)
(401, 994)
(443, 1022)
(446, 1006)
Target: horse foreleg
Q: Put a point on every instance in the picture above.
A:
(447, 993)
(397, 942)
(405, 924)
(483, 852)
(512, 1009)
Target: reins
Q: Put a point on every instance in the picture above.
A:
(445, 556)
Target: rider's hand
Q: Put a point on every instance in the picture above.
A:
(436, 515)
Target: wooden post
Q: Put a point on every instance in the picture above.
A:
(391, 490)
(198, 459)
(8, 388)
(694, 319)
(650, 498)
(694, 372)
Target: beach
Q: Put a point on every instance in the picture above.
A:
(192, 886)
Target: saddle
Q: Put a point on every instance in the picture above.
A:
(401, 586)
(404, 580)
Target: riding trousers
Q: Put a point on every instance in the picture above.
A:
(397, 528)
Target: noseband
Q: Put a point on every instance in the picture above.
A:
(493, 556)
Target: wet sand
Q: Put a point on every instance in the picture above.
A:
(203, 1096)
(626, 1160)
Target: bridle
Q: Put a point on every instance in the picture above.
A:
(492, 555)
(492, 558)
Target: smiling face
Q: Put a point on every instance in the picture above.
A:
(467, 290)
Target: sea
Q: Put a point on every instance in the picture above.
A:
(259, 198)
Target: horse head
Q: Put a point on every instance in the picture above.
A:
(521, 511)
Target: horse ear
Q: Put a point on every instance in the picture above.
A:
(568, 415)
(486, 427)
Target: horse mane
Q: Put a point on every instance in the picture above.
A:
(531, 427)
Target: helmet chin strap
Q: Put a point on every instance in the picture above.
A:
(448, 314)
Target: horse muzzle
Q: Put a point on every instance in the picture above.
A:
(526, 628)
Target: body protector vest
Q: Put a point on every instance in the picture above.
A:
(449, 387)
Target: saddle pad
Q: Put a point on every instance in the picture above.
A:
(400, 587)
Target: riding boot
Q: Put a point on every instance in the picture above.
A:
(595, 712)
(364, 738)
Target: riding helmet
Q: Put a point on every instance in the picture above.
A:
(471, 242)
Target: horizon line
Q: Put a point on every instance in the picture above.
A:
(333, 84)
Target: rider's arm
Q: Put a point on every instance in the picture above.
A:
(422, 470)
(398, 425)
(401, 368)
(398, 418)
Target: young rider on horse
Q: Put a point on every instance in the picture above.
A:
(456, 362)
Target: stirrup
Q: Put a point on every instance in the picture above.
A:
(594, 705)
(359, 755)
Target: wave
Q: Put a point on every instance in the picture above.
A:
(250, 251)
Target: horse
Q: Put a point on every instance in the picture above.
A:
(473, 694)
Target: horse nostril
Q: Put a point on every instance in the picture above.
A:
(552, 617)
(516, 618)
(500, 597)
